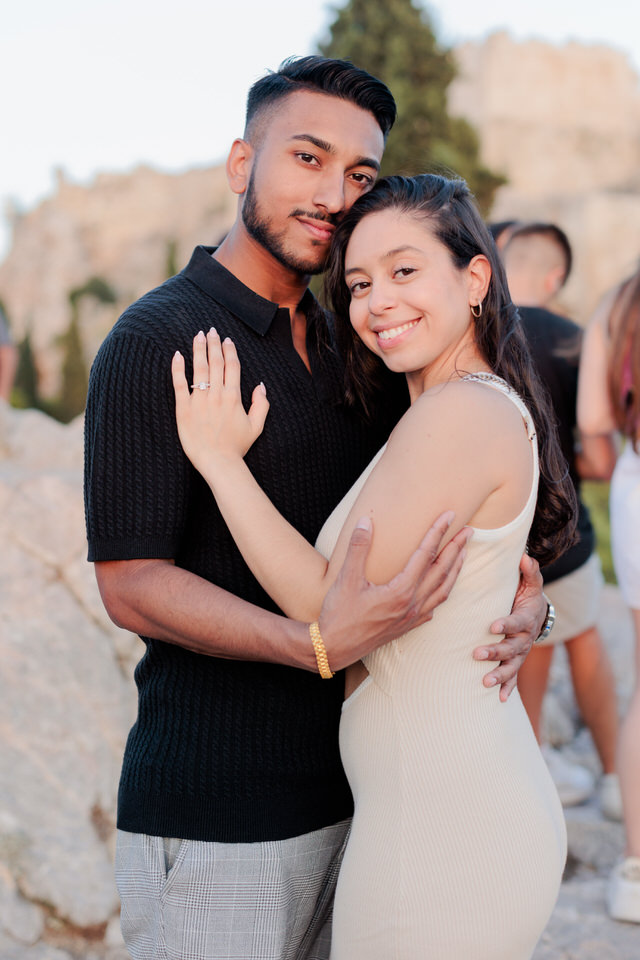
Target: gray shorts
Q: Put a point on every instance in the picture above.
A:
(191, 900)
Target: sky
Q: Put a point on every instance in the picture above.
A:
(103, 85)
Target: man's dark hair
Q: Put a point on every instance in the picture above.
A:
(337, 78)
(499, 226)
(552, 232)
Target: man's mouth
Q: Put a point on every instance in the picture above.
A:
(320, 229)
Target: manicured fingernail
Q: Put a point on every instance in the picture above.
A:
(364, 523)
(490, 681)
(449, 515)
(227, 340)
(497, 628)
(263, 389)
(213, 332)
(200, 336)
(482, 655)
(177, 354)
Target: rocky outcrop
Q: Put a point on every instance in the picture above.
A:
(67, 699)
(126, 229)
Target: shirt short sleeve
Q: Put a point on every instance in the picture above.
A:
(136, 475)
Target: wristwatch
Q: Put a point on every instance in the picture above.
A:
(550, 619)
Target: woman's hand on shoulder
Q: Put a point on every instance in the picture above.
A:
(213, 425)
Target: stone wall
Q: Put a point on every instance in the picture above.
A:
(563, 124)
(120, 228)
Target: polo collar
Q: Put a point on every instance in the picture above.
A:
(224, 287)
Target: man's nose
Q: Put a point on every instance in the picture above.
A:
(329, 192)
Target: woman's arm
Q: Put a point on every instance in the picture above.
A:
(216, 433)
(595, 415)
(423, 471)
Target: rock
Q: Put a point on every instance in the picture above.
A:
(67, 701)
(20, 920)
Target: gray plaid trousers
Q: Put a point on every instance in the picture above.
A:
(192, 900)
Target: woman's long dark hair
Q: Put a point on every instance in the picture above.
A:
(449, 208)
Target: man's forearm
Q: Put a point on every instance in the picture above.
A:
(154, 598)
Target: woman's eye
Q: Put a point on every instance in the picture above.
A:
(404, 271)
(358, 287)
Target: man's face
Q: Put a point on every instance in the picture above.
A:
(535, 269)
(316, 156)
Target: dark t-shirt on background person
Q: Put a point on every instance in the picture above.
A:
(555, 343)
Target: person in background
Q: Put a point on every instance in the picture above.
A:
(609, 403)
(501, 230)
(538, 260)
(8, 359)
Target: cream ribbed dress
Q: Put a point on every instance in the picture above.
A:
(458, 840)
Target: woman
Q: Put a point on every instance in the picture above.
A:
(458, 840)
(608, 402)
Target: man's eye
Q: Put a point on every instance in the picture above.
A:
(361, 178)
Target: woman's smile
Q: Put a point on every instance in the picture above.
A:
(390, 334)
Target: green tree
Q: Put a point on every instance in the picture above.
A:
(171, 265)
(394, 40)
(75, 377)
(25, 388)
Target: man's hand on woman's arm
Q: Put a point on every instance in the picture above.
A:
(357, 616)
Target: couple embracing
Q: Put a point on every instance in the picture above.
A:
(314, 613)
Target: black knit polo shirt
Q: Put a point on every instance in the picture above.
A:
(221, 750)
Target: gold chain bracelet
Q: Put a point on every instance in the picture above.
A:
(320, 651)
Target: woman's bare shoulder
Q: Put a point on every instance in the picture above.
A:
(468, 408)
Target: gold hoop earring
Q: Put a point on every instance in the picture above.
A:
(478, 307)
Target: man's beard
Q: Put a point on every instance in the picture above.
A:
(260, 229)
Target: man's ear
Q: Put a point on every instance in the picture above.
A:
(554, 281)
(239, 163)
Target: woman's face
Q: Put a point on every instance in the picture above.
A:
(410, 304)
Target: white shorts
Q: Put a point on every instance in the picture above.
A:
(624, 508)
(576, 599)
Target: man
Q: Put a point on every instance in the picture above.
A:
(537, 260)
(8, 359)
(233, 806)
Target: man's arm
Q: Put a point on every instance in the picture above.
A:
(596, 457)
(155, 598)
(520, 629)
